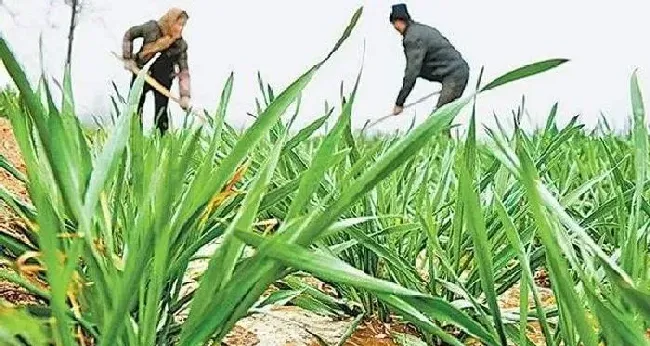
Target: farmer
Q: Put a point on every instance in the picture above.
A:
(164, 36)
(429, 55)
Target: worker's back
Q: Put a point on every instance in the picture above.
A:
(441, 59)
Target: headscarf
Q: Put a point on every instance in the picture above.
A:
(166, 23)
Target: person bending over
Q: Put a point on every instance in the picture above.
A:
(163, 36)
(429, 55)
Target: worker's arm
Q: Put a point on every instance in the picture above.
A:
(183, 73)
(184, 76)
(415, 51)
(130, 35)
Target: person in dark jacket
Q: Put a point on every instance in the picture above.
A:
(429, 55)
(163, 36)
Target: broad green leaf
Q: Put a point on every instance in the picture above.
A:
(444, 311)
(326, 267)
(527, 275)
(630, 255)
(306, 132)
(278, 298)
(475, 223)
(322, 160)
(559, 269)
(223, 262)
(572, 197)
(524, 72)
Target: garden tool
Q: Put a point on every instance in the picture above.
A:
(368, 124)
(161, 89)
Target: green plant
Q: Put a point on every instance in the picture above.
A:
(7, 96)
(117, 219)
(125, 214)
(484, 216)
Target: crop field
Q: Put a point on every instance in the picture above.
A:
(117, 237)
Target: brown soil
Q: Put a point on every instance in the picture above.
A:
(510, 301)
(241, 336)
(15, 294)
(290, 325)
(376, 333)
(9, 223)
(542, 279)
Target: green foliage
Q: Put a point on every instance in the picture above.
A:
(18, 327)
(419, 226)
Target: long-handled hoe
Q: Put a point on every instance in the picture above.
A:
(368, 124)
(161, 89)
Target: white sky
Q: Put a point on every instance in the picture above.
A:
(606, 41)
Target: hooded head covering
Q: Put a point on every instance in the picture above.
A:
(399, 11)
(166, 24)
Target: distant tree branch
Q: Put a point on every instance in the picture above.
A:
(75, 8)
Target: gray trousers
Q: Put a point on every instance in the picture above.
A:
(452, 88)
